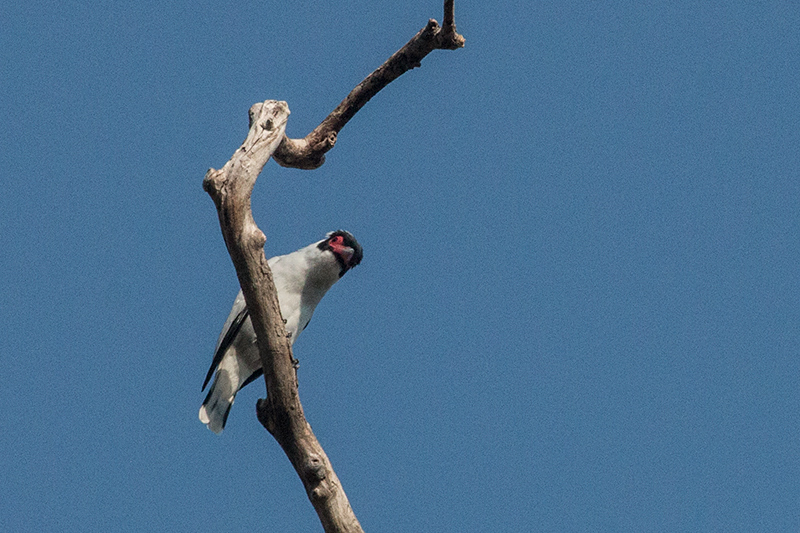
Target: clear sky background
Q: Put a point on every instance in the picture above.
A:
(577, 309)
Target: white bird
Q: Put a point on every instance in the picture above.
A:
(301, 278)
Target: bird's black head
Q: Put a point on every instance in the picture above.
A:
(345, 248)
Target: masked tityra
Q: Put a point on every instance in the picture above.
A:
(301, 278)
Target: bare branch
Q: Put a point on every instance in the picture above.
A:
(231, 187)
(281, 413)
(309, 152)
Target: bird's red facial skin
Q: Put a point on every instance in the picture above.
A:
(338, 247)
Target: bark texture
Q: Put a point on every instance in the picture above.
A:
(281, 413)
(231, 187)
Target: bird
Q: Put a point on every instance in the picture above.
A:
(301, 279)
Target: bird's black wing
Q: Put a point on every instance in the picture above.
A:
(225, 343)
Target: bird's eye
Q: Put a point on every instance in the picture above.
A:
(337, 240)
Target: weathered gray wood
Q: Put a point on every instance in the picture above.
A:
(281, 413)
(231, 187)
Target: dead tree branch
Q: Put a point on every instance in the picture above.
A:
(281, 413)
(309, 152)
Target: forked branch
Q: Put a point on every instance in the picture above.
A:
(231, 187)
(281, 413)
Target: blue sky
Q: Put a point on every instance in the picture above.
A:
(577, 309)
